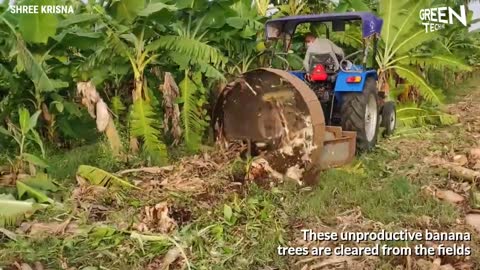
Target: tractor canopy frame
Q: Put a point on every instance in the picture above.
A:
(285, 27)
(371, 24)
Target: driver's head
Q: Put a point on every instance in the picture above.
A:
(309, 39)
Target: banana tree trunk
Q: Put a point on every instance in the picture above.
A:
(50, 121)
(136, 95)
(171, 92)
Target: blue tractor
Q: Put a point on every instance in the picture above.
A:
(347, 91)
(314, 118)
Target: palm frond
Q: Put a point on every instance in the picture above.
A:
(439, 62)
(144, 123)
(116, 44)
(100, 177)
(117, 105)
(465, 45)
(210, 71)
(190, 47)
(351, 37)
(192, 120)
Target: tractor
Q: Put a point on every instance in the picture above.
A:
(317, 117)
(347, 91)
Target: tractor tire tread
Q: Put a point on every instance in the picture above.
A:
(353, 113)
(388, 109)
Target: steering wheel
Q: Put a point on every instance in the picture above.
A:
(350, 67)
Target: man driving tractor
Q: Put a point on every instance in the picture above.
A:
(321, 46)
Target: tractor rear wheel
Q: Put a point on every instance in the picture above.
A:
(360, 113)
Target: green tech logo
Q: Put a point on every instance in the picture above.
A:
(436, 18)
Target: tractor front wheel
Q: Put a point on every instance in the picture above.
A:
(360, 113)
(389, 118)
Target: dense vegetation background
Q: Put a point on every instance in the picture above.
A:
(126, 48)
(130, 83)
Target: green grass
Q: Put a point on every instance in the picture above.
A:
(63, 165)
(244, 237)
(384, 199)
(116, 251)
(381, 194)
(247, 238)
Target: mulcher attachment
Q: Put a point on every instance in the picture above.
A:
(279, 115)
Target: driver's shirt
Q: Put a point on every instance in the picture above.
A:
(321, 46)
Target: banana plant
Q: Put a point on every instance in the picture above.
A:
(36, 185)
(32, 79)
(402, 33)
(294, 7)
(134, 49)
(97, 176)
(24, 134)
(411, 115)
(37, 29)
(12, 210)
(457, 39)
(262, 7)
(352, 5)
(199, 61)
(35, 188)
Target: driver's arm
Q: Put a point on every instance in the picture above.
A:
(306, 63)
(337, 50)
